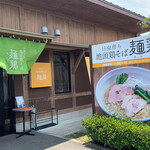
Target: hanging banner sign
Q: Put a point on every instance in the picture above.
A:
(41, 75)
(123, 52)
(121, 78)
(17, 56)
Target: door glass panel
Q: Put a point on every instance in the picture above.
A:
(6, 101)
(61, 72)
(7, 88)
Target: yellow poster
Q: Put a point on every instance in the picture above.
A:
(87, 59)
(41, 75)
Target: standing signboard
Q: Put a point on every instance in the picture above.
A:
(121, 78)
(20, 102)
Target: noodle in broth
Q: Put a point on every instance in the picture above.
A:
(117, 110)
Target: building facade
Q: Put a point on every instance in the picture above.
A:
(82, 23)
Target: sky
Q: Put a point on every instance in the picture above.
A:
(141, 7)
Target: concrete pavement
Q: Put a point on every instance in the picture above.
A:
(50, 138)
(38, 142)
(68, 123)
(45, 140)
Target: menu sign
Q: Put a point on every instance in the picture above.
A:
(121, 78)
(124, 52)
(41, 75)
(20, 102)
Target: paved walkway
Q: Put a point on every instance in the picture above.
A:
(68, 123)
(38, 142)
(45, 140)
(50, 138)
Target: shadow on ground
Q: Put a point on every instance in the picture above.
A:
(38, 142)
(95, 147)
(86, 142)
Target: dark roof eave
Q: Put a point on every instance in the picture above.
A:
(122, 8)
(144, 30)
(118, 9)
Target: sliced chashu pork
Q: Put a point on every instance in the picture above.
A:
(118, 92)
(127, 98)
(134, 105)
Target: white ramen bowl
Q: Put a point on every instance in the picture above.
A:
(109, 78)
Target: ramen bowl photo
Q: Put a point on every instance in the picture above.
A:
(125, 92)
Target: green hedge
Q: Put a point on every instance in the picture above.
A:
(117, 133)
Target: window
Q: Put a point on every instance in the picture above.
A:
(61, 72)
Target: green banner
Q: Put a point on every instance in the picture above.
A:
(17, 56)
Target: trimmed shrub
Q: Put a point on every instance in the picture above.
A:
(118, 133)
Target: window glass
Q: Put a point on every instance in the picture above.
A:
(5, 87)
(61, 72)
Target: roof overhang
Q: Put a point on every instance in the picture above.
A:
(95, 11)
(45, 38)
(22, 34)
(66, 46)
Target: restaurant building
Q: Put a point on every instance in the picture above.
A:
(66, 83)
